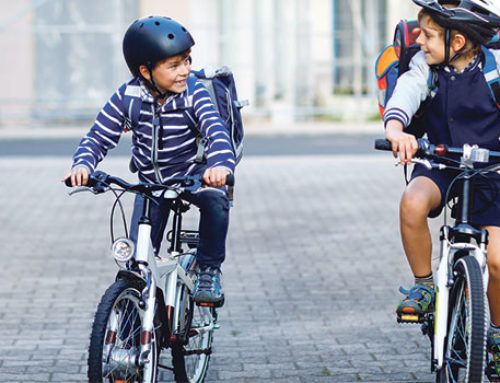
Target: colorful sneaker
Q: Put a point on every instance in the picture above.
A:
(419, 300)
(494, 350)
(208, 287)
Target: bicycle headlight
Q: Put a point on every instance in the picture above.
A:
(123, 250)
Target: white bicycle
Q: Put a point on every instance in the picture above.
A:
(149, 307)
(457, 328)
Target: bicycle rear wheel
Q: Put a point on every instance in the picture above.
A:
(465, 347)
(194, 331)
(115, 339)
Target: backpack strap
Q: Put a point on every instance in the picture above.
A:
(193, 124)
(491, 74)
(132, 106)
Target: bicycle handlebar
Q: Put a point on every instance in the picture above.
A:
(426, 149)
(101, 179)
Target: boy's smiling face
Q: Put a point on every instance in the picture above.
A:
(431, 41)
(171, 73)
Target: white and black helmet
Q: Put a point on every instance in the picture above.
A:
(478, 19)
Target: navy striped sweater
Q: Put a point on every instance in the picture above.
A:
(159, 155)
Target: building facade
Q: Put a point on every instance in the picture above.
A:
(293, 59)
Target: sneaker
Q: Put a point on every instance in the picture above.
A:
(208, 287)
(494, 349)
(419, 300)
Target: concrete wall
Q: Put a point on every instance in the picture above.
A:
(17, 69)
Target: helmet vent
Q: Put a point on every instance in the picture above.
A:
(140, 26)
(171, 36)
(184, 29)
(157, 23)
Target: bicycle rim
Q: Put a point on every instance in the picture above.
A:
(191, 359)
(116, 338)
(464, 354)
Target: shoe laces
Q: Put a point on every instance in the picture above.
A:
(494, 340)
(208, 277)
(417, 292)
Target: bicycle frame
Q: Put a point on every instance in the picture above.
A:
(153, 271)
(156, 292)
(450, 251)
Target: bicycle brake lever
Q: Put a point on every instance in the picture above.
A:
(424, 162)
(96, 189)
(79, 189)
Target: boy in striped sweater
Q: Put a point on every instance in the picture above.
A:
(157, 51)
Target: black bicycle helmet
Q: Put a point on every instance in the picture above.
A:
(152, 39)
(478, 19)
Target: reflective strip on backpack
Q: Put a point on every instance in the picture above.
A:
(491, 74)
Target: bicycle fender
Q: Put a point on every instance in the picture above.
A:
(132, 276)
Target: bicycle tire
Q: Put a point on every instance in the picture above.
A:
(465, 345)
(115, 338)
(190, 358)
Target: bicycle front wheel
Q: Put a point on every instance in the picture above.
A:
(465, 347)
(116, 338)
(194, 330)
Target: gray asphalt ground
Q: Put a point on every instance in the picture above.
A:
(313, 267)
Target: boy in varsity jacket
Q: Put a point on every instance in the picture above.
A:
(461, 111)
(157, 52)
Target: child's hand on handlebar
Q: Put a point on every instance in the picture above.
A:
(216, 176)
(404, 143)
(79, 176)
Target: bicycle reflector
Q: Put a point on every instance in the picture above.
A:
(441, 150)
(123, 250)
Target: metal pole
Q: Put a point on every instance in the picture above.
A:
(371, 41)
(304, 68)
(357, 56)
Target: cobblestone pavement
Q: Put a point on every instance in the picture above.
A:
(313, 267)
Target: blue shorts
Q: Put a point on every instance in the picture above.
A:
(486, 193)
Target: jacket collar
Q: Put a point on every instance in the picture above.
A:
(174, 101)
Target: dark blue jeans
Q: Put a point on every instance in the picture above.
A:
(214, 222)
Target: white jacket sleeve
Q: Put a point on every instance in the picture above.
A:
(496, 54)
(411, 89)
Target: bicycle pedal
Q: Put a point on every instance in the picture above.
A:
(410, 318)
(211, 304)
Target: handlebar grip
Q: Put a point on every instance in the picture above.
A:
(230, 179)
(91, 182)
(383, 144)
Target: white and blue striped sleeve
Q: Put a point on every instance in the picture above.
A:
(220, 152)
(103, 135)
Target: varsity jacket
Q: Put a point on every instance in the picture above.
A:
(163, 144)
(460, 110)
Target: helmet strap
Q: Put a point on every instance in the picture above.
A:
(447, 35)
(152, 85)
(447, 46)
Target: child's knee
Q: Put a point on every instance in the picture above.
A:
(413, 206)
(494, 267)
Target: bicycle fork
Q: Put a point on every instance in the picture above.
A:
(445, 280)
(145, 260)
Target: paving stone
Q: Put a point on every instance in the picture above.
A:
(313, 267)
